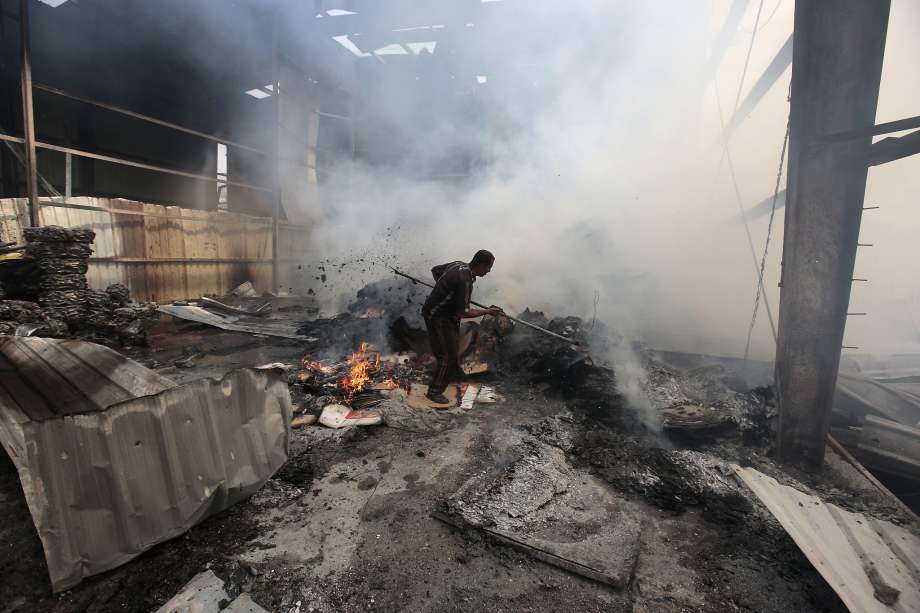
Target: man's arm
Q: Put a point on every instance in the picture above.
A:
(463, 303)
(471, 313)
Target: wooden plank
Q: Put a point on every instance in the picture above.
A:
(11, 220)
(211, 245)
(232, 245)
(132, 243)
(260, 249)
(175, 248)
(199, 243)
(107, 273)
(154, 237)
(73, 204)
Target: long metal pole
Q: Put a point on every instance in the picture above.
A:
(68, 175)
(28, 116)
(276, 149)
(482, 306)
(124, 162)
(142, 117)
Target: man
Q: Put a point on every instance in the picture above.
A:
(448, 303)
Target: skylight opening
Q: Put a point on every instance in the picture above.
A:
(418, 48)
(481, 78)
(346, 42)
(392, 49)
(439, 26)
(339, 12)
(258, 94)
(53, 3)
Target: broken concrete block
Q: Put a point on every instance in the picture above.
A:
(203, 594)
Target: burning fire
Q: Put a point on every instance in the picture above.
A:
(361, 365)
(310, 364)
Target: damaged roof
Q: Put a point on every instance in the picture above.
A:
(42, 379)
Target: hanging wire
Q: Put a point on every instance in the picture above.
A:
(766, 246)
(726, 155)
(768, 19)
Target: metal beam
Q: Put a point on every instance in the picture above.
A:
(147, 118)
(124, 162)
(770, 75)
(836, 70)
(891, 149)
(28, 115)
(726, 34)
(68, 175)
(276, 147)
(908, 123)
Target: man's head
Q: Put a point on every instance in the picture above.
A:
(482, 262)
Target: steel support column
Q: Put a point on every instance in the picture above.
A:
(276, 147)
(836, 69)
(28, 117)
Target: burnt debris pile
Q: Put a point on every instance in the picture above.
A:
(48, 294)
(570, 369)
(61, 257)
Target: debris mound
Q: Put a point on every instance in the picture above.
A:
(672, 480)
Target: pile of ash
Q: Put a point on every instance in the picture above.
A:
(725, 403)
(48, 295)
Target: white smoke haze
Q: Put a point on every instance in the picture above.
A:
(601, 180)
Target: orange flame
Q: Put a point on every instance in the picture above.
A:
(362, 364)
(310, 364)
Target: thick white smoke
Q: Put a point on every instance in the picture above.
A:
(603, 189)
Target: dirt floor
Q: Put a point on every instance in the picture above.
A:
(346, 524)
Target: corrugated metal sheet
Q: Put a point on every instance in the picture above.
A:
(890, 446)
(858, 556)
(237, 323)
(860, 395)
(45, 378)
(137, 460)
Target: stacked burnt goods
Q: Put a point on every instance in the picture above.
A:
(27, 318)
(61, 257)
(111, 316)
(50, 296)
(568, 369)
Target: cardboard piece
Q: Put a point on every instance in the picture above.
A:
(418, 400)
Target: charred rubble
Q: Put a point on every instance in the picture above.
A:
(615, 441)
(46, 293)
